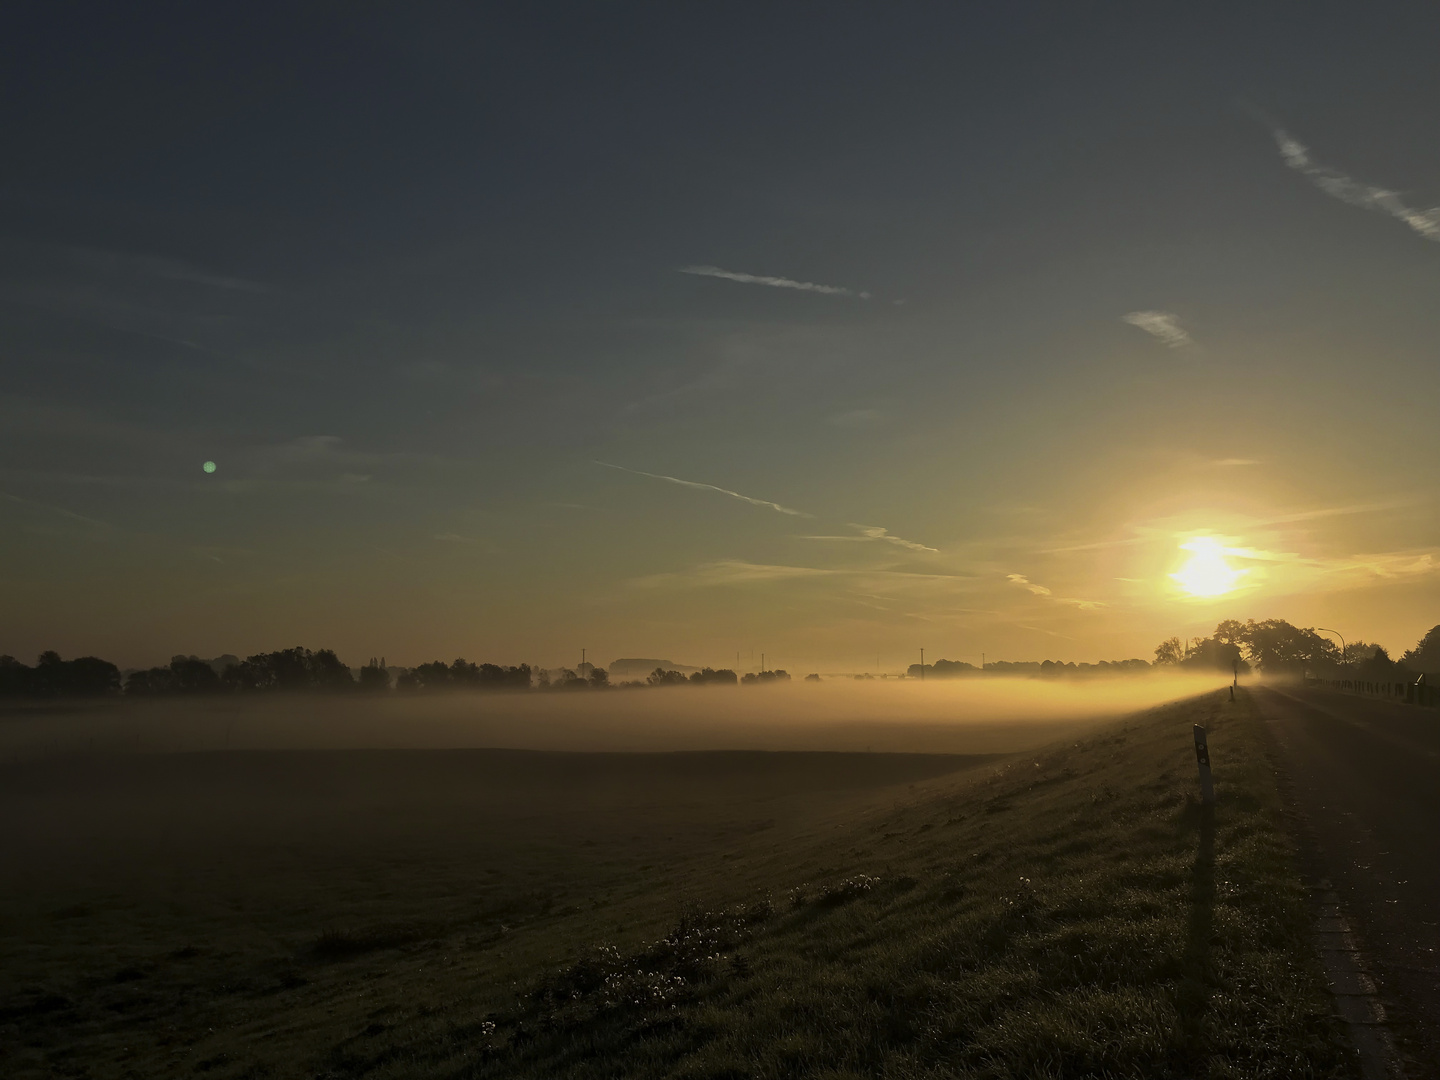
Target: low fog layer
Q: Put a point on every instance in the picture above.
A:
(962, 716)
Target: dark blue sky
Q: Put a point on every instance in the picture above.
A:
(406, 273)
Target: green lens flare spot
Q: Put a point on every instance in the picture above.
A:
(209, 466)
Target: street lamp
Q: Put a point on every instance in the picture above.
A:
(1340, 636)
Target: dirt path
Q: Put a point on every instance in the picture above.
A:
(1365, 775)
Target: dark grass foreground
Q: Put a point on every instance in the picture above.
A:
(1073, 914)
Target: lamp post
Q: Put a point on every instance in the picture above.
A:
(1340, 636)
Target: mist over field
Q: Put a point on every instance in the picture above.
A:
(957, 716)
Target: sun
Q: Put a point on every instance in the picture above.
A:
(1207, 573)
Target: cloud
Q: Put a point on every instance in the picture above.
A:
(740, 572)
(732, 572)
(1161, 325)
(1355, 192)
(875, 532)
(1083, 605)
(709, 487)
(1233, 462)
(1026, 583)
(1341, 511)
(773, 282)
(1040, 590)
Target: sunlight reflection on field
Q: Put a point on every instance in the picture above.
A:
(961, 716)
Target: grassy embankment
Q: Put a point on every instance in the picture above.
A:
(1072, 912)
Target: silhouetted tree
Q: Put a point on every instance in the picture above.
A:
(1170, 651)
(432, 676)
(943, 669)
(85, 676)
(1377, 666)
(193, 675)
(567, 679)
(661, 677)
(374, 677)
(1274, 645)
(289, 669)
(1357, 652)
(16, 679)
(713, 677)
(1277, 646)
(461, 674)
(1232, 632)
(1213, 654)
(1425, 656)
(778, 675)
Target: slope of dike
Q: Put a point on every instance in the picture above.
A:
(1068, 912)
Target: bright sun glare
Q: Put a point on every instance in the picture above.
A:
(1206, 572)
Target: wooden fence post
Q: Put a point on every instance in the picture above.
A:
(1202, 758)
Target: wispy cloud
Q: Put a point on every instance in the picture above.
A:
(773, 282)
(1233, 462)
(1356, 192)
(741, 572)
(1040, 590)
(1161, 325)
(875, 532)
(1343, 511)
(709, 487)
(1027, 584)
(731, 572)
(869, 533)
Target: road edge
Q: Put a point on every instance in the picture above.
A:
(1348, 969)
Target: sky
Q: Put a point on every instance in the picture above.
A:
(831, 332)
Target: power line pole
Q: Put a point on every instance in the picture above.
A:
(922, 665)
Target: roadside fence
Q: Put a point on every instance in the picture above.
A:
(1417, 692)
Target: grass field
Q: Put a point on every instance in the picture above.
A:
(1070, 911)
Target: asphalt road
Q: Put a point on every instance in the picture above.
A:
(1365, 774)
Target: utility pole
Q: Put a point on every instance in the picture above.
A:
(762, 663)
(922, 665)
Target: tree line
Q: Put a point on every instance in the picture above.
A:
(1274, 646)
(959, 669)
(300, 669)
(1277, 647)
